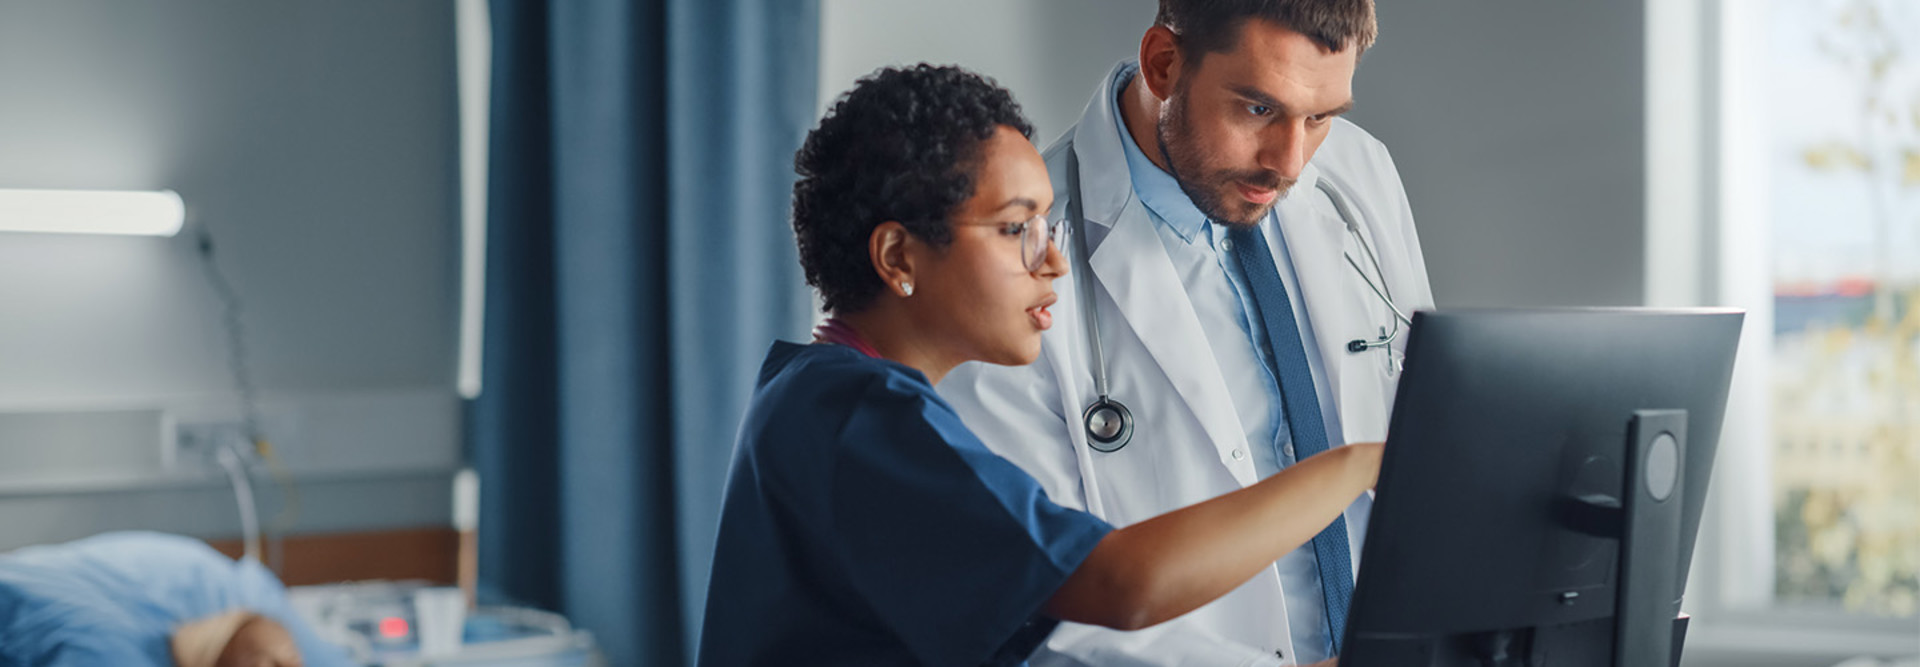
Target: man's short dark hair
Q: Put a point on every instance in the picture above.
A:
(1213, 26)
(901, 146)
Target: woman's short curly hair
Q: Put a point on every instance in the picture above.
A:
(902, 146)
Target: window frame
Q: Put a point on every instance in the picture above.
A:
(1708, 244)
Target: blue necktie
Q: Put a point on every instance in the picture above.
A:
(1303, 409)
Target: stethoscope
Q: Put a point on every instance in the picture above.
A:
(1108, 422)
(1381, 290)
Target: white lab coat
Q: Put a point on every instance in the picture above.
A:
(1188, 444)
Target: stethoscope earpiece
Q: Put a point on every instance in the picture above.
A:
(1359, 345)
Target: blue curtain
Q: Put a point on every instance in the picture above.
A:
(639, 262)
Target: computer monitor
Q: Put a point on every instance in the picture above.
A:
(1541, 488)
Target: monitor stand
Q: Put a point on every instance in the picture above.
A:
(1645, 518)
(1647, 613)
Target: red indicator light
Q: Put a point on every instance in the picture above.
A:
(393, 627)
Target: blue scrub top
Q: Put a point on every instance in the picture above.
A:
(865, 525)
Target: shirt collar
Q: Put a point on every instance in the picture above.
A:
(1155, 187)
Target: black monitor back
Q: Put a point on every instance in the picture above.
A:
(1502, 418)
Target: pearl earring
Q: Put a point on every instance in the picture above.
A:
(906, 288)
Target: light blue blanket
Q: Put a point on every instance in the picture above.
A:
(114, 599)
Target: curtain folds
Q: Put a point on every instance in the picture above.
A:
(639, 262)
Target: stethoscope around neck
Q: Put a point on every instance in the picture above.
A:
(1381, 290)
(1108, 422)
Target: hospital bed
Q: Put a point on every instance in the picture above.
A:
(117, 598)
(380, 623)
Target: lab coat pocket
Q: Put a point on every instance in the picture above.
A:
(1366, 395)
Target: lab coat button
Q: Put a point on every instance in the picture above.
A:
(1239, 454)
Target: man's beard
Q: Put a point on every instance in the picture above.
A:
(1214, 192)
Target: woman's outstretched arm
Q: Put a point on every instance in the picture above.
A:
(1157, 569)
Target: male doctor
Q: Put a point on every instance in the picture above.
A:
(1240, 322)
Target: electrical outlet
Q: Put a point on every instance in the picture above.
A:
(197, 440)
(196, 444)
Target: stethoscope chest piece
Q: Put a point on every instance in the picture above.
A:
(1109, 425)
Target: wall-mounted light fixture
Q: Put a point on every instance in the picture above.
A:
(92, 212)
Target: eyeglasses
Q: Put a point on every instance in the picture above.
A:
(1036, 235)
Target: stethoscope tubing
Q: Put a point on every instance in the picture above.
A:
(1113, 410)
(1353, 229)
(1083, 281)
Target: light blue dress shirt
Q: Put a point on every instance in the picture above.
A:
(1215, 285)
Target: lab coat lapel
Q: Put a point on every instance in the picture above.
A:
(1129, 263)
(1133, 267)
(1315, 240)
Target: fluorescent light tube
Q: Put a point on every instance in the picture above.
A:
(92, 212)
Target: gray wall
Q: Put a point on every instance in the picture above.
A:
(1517, 126)
(316, 140)
(1050, 53)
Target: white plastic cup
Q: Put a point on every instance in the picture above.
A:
(440, 620)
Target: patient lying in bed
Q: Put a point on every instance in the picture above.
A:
(235, 639)
(134, 599)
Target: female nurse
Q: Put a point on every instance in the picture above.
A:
(864, 524)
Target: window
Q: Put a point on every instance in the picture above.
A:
(1820, 238)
